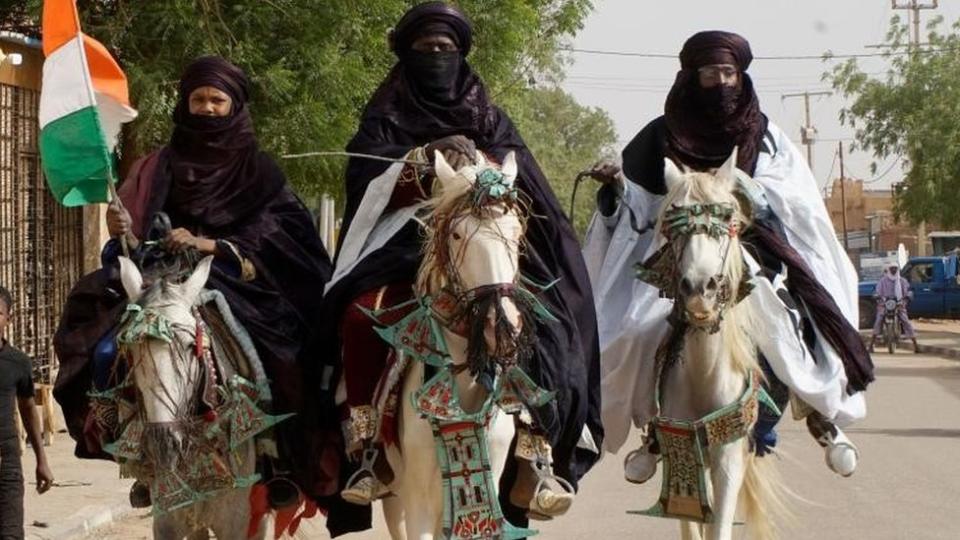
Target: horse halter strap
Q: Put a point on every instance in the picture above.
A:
(716, 220)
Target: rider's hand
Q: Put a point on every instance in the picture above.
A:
(605, 172)
(119, 222)
(180, 240)
(459, 151)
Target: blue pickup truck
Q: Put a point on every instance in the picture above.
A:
(936, 290)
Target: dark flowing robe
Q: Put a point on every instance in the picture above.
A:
(278, 308)
(567, 357)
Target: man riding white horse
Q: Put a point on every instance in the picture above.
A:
(431, 102)
(711, 110)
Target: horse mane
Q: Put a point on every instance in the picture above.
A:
(443, 210)
(703, 187)
(440, 210)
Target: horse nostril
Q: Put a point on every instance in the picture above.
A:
(686, 287)
(713, 285)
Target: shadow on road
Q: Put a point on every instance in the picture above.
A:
(913, 432)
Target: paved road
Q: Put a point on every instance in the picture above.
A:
(907, 486)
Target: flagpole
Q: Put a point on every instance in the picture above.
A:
(114, 197)
(111, 181)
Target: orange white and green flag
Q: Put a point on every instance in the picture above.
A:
(83, 103)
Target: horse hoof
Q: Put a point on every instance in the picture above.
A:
(639, 466)
(842, 459)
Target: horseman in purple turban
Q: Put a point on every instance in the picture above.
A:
(431, 101)
(712, 109)
(227, 198)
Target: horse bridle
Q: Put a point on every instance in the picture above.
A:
(716, 220)
(196, 352)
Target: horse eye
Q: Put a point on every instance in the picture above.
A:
(457, 236)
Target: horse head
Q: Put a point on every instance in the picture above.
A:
(701, 221)
(472, 252)
(159, 334)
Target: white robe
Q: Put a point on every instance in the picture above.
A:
(633, 325)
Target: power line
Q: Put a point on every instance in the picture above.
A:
(882, 175)
(825, 56)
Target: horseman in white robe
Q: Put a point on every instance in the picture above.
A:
(805, 285)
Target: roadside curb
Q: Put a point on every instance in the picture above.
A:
(85, 521)
(936, 350)
(946, 352)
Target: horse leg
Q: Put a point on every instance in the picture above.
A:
(230, 516)
(203, 534)
(419, 473)
(394, 516)
(727, 468)
(690, 530)
(177, 526)
(500, 433)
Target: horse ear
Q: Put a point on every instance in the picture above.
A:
(131, 278)
(196, 281)
(509, 168)
(729, 167)
(727, 173)
(448, 177)
(672, 175)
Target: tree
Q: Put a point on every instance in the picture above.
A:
(566, 138)
(911, 113)
(315, 64)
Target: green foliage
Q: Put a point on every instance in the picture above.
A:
(314, 64)
(566, 138)
(911, 113)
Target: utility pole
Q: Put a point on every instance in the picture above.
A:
(843, 201)
(915, 6)
(808, 133)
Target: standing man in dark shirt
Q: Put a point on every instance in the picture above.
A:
(16, 385)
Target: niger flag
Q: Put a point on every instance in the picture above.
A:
(83, 102)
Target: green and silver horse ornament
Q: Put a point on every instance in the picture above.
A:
(180, 414)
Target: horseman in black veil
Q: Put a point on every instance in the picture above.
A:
(433, 101)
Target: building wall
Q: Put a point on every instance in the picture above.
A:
(42, 244)
(26, 75)
(863, 205)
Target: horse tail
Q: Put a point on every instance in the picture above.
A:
(763, 498)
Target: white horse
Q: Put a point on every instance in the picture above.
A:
(168, 380)
(713, 364)
(474, 248)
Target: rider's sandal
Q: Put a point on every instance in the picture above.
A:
(639, 454)
(546, 503)
(363, 487)
(839, 441)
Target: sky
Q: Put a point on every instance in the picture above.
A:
(632, 90)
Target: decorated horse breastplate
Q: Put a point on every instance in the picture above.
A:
(471, 507)
(207, 459)
(685, 446)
